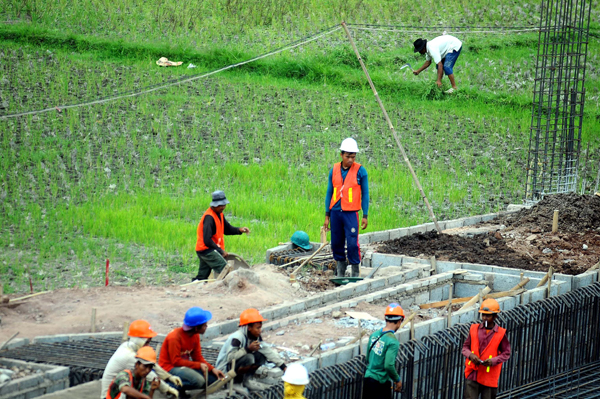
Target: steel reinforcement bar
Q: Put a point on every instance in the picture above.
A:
(552, 341)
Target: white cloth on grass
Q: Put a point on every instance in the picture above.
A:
(438, 48)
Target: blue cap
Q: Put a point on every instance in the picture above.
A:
(196, 316)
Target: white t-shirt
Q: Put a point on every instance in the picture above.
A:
(440, 46)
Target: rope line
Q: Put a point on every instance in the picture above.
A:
(170, 83)
(429, 31)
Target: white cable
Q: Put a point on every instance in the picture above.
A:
(60, 108)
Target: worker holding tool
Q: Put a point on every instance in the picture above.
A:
(181, 353)
(485, 349)
(295, 380)
(135, 384)
(381, 357)
(247, 348)
(444, 51)
(210, 244)
(140, 334)
(347, 193)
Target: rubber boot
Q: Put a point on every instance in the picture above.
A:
(341, 268)
(355, 271)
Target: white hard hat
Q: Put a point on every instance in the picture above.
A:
(295, 374)
(349, 145)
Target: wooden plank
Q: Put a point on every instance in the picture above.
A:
(455, 301)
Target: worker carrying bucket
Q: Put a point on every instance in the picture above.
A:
(485, 349)
(347, 194)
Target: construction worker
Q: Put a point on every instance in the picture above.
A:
(135, 384)
(247, 348)
(181, 353)
(485, 349)
(295, 380)
(210, 243)
(300, 240)
(444, 51)
(381, 357)
(347, 193)
(140, 334)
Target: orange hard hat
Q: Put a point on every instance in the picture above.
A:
(141, 329)
(146, 355)
(394, 310)
(250, 316)
(490, 306)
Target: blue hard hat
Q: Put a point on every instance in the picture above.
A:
(300, 238)
(196, 316)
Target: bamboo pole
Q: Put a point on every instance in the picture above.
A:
(8, 340)
(457, 301)
(521, 284)
(231, 382)
(545, 279)
(475, 299)
(29, 296)
(125, 331)
(408, 320)
(412, 329)
(433, 264)
(293, 274)
(391, 126)
(450, 305)
(550, 283)
(555, 221)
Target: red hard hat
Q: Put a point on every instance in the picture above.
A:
(250, 316)
(141, 329)
(490, 306)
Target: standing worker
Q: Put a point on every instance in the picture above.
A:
(381, 357)
(486, 341)
(210, 243)
(347, 193)
(140, 334)
(181, 353)
(444, 51)
(134, 384)
(247, 348)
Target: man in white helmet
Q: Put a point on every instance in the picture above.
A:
(347, 194)
(140, 333)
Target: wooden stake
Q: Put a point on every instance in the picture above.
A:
(307, 260)
(450, 305)
(315, 348)
(323, 235)
(389, 122)
(206, 380)
(231, 382)
(545, 279)
(226, 270)
(93, 329)
(8, 340)
(433, 265)
(521, 284)
(359, 337)
(412, 329)
(555, 221)
(550, 283)
(125, 331)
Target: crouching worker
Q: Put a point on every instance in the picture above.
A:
(134, 384)
(381, 357)
(245, 347)
(140, 334)
(181, 353)
(295, 380)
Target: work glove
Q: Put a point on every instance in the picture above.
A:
(175, 380)
(173, 391)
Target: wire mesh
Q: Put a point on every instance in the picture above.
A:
(558, 98)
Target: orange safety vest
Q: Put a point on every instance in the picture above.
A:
(140, 388)
(487, 376)
(347, 190)
(218, 238)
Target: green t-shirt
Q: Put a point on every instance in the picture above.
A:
(122, 379)
(382, 357)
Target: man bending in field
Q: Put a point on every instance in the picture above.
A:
(444, 51)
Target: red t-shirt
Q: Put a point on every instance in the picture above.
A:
(181, 349)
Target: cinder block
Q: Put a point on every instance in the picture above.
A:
(344, 354)
(468, 221)
(50, 339)
(507, 303)
(462, 290)
(311, 363)
(504, 282)
(454, 223)
(467, 317)
(407, 302)
(297, 307)
(364, 239)
(386, 260)
(421, 330)
(538, 294)
(228, 327)
(422, 298)
(212, 332)
(438, 324)
(397, 233)
(436, 294)
(57, 373)
(583, 280)
(16, 342)
(478, 267)
(377, 284)
(473, 277)
(488, 217)
(380, 236)
(328, 359)
(403, 335)
(420, 228)
(279, 311)
(444, 267)
(30, 381)
(312, 302)
(411, 274)
(396, 278)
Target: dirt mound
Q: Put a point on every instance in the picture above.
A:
(577, 213)
(567, 253)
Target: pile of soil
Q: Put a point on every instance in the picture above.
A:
(577, 213)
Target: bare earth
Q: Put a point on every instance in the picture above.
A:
(68, 311)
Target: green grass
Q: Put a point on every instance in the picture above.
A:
(128, 180)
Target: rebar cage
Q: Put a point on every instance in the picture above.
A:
(558, 98)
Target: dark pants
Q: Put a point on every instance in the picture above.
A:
(473, 389)
(344, 233)
(374, 389)
(211, 260)
(255, 360)
(191, 378)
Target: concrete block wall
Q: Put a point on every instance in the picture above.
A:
(50, 379)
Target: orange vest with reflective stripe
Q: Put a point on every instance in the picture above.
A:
(218, 238)
(143, 382)
(347, 190)
(487, 376)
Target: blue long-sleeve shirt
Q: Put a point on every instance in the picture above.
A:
(361, 178)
